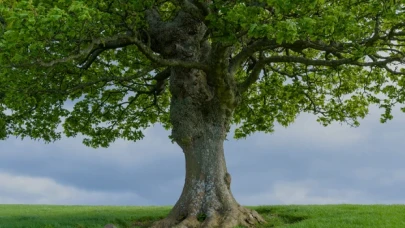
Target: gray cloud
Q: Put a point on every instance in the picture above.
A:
(39, 190)
(304, 163)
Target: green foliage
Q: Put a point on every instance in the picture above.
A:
(45, 82)
(335, 93)
(105, 106)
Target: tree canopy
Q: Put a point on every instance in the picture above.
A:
(92, 66)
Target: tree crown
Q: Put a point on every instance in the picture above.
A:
(94, 67)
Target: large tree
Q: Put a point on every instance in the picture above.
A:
(197, 67)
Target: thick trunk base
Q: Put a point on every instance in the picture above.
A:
(230, 218)
(207, 205)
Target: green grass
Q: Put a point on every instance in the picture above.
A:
(291, 216)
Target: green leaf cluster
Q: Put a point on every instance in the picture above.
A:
(45, 90)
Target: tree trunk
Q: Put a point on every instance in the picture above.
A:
(200, 112)
(200, 124)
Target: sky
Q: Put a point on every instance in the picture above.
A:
(304, 163)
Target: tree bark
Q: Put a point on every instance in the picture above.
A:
(200, 124)
(200, 112)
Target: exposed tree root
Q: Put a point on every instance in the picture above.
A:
(238, 215)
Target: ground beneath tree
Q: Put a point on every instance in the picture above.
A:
(272, 217)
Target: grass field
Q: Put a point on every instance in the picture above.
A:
(322, 216)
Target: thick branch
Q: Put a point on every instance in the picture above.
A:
(165, 74)
(98, 45)
(298, 46)
(112, 44)
(255, 74)
(336, 48)
(166, 62)
(387, 68)
(248, 51)
(160, 79)
(116, 41)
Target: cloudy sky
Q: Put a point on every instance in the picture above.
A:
(305, 163)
